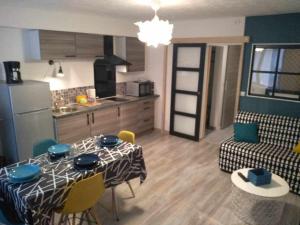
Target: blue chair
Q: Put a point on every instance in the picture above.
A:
(42, 147)
(4, 220)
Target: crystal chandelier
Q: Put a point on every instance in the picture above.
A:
(156, 31)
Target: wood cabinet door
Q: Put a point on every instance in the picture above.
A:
(146, 116)
(105, 121)
(89, 45)
(73, 128)
(129, 116)
(57, 44)
(135, 54)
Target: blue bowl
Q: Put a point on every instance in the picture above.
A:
(59, 149)
(24, 172)
(18, 181)
(109, 140)
(259, 177)
(86, 161)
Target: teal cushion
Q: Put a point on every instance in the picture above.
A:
(246, 132)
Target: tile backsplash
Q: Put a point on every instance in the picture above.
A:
(69, 95)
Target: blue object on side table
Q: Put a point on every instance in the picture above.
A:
(259, 177)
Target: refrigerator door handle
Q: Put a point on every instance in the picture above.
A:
(34, 111)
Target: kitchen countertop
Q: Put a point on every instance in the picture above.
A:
(102, 105)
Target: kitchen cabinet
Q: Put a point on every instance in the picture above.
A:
(89, 45)
(133, 51)
(105, 121)
(135, 54)
(129, 116)
(137, 116)
(146, 116)
(46, 44)
(73, 128)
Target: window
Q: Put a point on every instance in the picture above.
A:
(275, 71)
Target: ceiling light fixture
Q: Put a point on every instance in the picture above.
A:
(156, 31)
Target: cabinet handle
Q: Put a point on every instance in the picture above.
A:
(147, 108)
(146, 120)
(145, 103)
(93, 118)
(119, 113)
(88, 119)
(70, 56)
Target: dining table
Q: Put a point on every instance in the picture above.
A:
(34, 202)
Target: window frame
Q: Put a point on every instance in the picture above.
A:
(275, 73)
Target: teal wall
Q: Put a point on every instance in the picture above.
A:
(283, 28)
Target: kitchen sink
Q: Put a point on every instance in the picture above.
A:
(117, 99)
(66, 109)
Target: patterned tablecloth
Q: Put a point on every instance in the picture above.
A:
(35, 201)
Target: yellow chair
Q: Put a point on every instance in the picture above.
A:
(82, 197)
(127, 136)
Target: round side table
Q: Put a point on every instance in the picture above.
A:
(258, 205)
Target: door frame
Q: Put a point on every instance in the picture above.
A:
(206, 81)
(199, 92)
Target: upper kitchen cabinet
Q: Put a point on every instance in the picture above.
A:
(133, 51)
(135, 54)
(89, 45)
(45, 45)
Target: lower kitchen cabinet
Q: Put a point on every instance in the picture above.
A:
(129, 116)
(72, 128)
(105, 121)
(137, 117)
(146, 116)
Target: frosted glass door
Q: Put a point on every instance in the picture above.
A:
(187, 81)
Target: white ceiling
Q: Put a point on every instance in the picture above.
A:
(171, 9)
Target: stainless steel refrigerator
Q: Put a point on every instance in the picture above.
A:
(27, 117)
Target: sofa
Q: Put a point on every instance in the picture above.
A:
(278, 136)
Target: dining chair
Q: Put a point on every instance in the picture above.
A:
(41, 147)
(128, 136)
(4, 220)
(82, 198)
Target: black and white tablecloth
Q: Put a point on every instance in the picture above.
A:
(34, 202)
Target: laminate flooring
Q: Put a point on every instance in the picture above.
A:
(184, 186)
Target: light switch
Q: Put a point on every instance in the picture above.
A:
(243, 93)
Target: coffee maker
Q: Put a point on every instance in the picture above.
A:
(12, 71)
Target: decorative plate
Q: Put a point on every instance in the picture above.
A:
(109, 140)
(24, 172)
(86, 161)
(59, 149)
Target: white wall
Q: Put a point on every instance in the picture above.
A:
(21, 17)
(232, 26)
(77, 73)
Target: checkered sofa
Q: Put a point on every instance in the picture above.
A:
(278, 135)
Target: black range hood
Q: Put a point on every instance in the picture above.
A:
(109, 57)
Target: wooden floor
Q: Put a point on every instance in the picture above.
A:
(184, 186)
